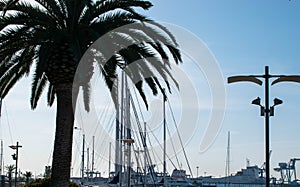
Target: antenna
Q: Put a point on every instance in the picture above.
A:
(247, 162)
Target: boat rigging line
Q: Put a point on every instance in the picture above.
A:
(172, 143)
(8, 124)
(143, 138)
(180, 140)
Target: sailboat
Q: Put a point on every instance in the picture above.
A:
(124, 143)
(131, 145)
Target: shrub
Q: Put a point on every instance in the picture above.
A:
(45, 183)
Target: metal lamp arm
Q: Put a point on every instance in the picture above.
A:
(244, 78)
(287, 79)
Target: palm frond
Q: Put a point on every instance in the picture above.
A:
(71, 7)
(139, 87)
(9, 79)
(38, 85)
(18, 66)
(175, 52)
(164, 29)
(27, 14)
(86, 88)
(109, 22)
(108, 71)
(54, 10)
(43, 57)
(152, 84)
(50, 95)
(102, 8)
(110, 5)
(166, 39)
(140, 47)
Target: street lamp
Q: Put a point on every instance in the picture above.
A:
(266, 110)
(15, 157)
(262, 108)
(257, 102)
(276, 102)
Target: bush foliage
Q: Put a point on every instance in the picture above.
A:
(45, 183)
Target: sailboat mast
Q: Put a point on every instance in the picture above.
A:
(88, 163)
(145, 153)
(1, 158)
(1, 155)
(82, 161)
(117, 149)
(227, 172)
(128, 130)
(0, 106)
(165, 137)
(109, 159)
(93, 156)
(121, 130)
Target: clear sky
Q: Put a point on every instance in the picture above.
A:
(243, 36)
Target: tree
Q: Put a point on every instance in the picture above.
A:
(27, 175)
(10, 170)
(45, 182)
(47, 173)
(49, 37)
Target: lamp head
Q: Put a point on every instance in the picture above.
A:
(256, 101)
(277, 101)
(14, 156)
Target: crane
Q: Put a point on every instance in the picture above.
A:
(287, 170)
(262, 168)
(292, 167)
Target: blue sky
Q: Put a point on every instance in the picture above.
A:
(244, 36)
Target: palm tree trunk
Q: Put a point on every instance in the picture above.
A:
(9, 178)
(62, 154)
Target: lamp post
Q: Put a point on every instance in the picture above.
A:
(197, 171)
(15, 157)
(266, 110)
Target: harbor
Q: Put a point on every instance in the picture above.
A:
(131, 166)
(145, 93)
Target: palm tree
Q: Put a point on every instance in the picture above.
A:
(10, 170)
(27, 175)
(49, 37)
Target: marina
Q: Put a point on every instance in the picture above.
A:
(145, 93)
(134, 167)
(130, 158)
